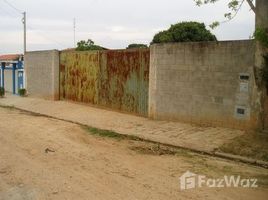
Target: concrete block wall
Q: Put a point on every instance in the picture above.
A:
(209, 83)
(42, 74)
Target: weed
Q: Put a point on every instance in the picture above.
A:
(109, 134)
(251, 144)
(2, 92)
(22, 92)
(153, 150)
(7, 107)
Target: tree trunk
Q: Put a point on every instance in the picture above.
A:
(261, 11)
(251, 6)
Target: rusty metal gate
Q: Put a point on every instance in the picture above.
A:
(117, 79)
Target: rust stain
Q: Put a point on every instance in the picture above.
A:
(116, 79)
(80, 75)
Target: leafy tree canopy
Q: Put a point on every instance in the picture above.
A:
(233, 5)
(134, 46)
(185, 32)
(88, 45)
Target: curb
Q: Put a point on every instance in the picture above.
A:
(243, 159)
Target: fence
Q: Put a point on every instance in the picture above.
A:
(117, 79)
(210, 83)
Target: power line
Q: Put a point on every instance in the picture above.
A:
(23, 20)
(46, 37)
(21, 12)
(8, 13)
(16, 9)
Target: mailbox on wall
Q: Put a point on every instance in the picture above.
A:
(242, 110)
(244, 82)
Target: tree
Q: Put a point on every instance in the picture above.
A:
(185, 32)
(233, 5)
(135, 46)
(88, 45)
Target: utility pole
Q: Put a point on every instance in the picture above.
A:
(74, 32)
(24, 32)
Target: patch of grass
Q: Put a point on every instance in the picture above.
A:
(159, 149)
(24, 112)
(7, 107)
(252, 145)
(105, 133)
(146, 147)
(109, 134)
(153, 150)
(22, 92)
(212, 169)
(262, 179)
(2, 92)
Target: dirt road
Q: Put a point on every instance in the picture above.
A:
(43, 158)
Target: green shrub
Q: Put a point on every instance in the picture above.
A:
(2, 92)
(135, 46)
(22, 92)
(88, 45)
(185, 32)
(261, 35)
(264, 72)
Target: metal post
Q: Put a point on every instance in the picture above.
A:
(3, 74)
(24, 32)
(0, 74)
(14, 77)
(74, 33)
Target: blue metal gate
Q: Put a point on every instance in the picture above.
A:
(20, 79)
(17, 76)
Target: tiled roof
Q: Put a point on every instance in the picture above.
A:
(10, 57)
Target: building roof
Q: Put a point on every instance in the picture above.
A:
(10, 57)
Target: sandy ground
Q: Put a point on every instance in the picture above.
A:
(43, 158)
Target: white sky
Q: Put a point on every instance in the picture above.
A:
(110, 23)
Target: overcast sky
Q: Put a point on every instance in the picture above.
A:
(110, 23)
